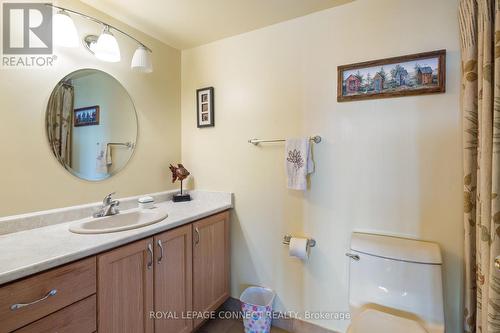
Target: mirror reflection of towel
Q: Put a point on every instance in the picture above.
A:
(109, 157)
(101, 158)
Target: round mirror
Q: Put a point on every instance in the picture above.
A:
(91, 124)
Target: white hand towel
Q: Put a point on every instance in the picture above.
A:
(109, 156)
(298, 162)
(101, 165)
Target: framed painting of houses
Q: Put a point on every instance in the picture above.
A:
(414, 74)
(88, 116)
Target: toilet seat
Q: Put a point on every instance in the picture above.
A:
(374, 321)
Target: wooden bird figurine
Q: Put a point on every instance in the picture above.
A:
(179, 172)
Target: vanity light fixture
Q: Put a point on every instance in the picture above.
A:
(65, 33)
(105, 46)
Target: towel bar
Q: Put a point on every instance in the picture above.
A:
(129, 145)
(255, 142)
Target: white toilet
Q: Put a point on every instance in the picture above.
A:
(395, 285)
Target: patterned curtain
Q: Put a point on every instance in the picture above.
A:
(480, 39)
(59, 122)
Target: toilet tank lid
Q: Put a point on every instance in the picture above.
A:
(396, 248)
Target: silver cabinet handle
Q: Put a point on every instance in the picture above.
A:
(51, 293)
(497, 263)
(353, 256)
(150, 251)
(161, 252)
(197, 240)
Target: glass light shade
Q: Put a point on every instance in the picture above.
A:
(106, 48)
(141, 61)
(91, 46)
(65, 33)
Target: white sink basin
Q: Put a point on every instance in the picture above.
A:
(126, 220)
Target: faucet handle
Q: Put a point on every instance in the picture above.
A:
(107, 199)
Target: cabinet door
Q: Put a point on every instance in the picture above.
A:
(210, 263)
(125, 289)
(173, 280)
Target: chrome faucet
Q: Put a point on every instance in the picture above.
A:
(109, 207)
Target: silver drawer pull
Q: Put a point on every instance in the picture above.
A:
(51, 293)
(353, 256)
(161, 251)
(150, 252)
(197, 239)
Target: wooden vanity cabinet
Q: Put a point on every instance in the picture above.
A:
(125, 288)
(211, 257)
(76, 318)
(25, 301)
(173, 280)
(151, 275)
(177, 273)
(173, 274)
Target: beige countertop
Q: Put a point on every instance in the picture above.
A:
(31, 251)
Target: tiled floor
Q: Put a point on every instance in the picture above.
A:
(228, 326)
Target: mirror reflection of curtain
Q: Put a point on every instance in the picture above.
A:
(60, 122)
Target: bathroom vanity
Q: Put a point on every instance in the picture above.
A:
(177, 268)
(92, 268)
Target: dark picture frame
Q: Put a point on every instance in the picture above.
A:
(205, 107)
(87, 116)
(413, 74)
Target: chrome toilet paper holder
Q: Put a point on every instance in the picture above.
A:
(310, 242)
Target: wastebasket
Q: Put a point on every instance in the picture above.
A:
(257, 308)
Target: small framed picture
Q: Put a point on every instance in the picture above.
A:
(88, 116)
(205, 107)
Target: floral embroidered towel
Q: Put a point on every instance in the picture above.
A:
(298, 162)
(101, 164)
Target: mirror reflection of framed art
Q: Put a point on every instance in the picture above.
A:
(87, 116)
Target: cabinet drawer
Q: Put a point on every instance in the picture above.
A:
(72, 283)
(77, 318)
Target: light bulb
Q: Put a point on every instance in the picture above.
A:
(65, 33)
(106, 48)
(141, 61)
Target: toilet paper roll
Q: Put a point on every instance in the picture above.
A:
(298, 248)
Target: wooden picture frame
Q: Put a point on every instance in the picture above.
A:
(87, 116)
(205, 107)
(369, 80)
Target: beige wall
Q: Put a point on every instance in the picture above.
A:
(30, 177)
(390, 166)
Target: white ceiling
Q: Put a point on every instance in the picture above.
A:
(188, 23)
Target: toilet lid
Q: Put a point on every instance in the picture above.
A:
(373, 321)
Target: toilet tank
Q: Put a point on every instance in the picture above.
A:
(397, 275)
